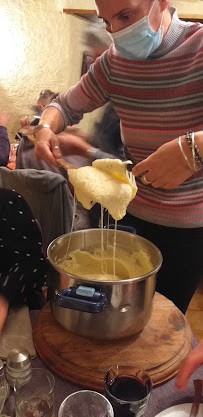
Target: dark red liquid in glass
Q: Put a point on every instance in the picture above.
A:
(128, 389)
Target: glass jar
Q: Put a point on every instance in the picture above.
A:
(18, 366)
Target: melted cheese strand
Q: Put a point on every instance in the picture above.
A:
(114, 250)
(102, 238)
(108, 219)
(72, 224)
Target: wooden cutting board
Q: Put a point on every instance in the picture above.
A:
(159, 348)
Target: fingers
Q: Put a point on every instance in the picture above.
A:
(158, 183)
(190, 364)
(141, 168)
(145, 180)
(42, 151)
(55, 147)
(24, 121)
(184, 374)
(148, 178)
(56, 152)
(44, 144)
(3, 311)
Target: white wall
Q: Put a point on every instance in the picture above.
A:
(40, 48)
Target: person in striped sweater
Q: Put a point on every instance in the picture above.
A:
(153, 75)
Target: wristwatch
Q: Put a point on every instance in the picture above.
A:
(38, 127)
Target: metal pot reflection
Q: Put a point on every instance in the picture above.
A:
(102, 309)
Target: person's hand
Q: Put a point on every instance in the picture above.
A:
(50, 146)
(73, 143)
(4, 118)
(189, 365)
(24, 121)
(47, 146)
(74, 130)
(3, 311)
(165, 168)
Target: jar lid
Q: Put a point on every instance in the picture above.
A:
(18, 358)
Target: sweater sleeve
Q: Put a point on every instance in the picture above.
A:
(90, 93)
(4, 146)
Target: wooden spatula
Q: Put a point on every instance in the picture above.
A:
(197, 397)
(60, 161)
(65, 164)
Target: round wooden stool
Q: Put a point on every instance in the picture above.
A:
(159, 348)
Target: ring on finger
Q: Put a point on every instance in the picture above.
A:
(56, 147)
(145, 181)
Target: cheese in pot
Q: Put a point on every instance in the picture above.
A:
(98, 265)
(105, 182)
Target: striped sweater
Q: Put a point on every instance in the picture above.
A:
(157, 100)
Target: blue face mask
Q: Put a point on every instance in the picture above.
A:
(137, 41)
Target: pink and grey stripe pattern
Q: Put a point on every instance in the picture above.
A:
(157, 100)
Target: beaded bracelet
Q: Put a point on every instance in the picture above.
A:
(193, 152)
(191, 142)
(185, 157)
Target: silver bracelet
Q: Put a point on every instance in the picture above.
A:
(38, 127)
(185, 157)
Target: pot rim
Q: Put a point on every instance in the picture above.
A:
(101, 282)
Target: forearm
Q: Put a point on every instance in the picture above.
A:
(72, 144)
(52, 117)
(76, 147)
(67, 110)
(82, 98)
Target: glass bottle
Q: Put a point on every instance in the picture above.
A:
(4, 387)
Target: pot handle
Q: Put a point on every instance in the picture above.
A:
(82, 298)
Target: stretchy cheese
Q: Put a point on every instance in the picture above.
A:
(98, 264)
(105, 182)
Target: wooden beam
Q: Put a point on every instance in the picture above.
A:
(183, 15)
(190, 16)
(79, 11)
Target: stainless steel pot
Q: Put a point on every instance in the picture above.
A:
(102, 309)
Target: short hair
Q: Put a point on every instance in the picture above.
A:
(96, 35)
(53, 96)
(45, 94)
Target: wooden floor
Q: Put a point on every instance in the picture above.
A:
(194, 313)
